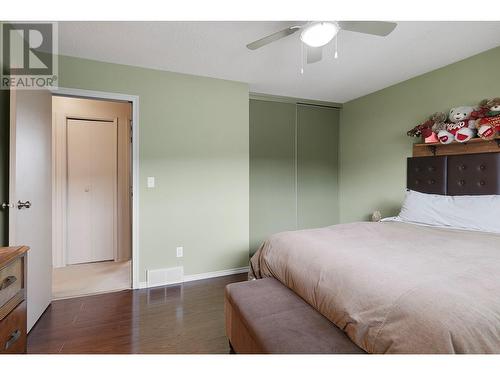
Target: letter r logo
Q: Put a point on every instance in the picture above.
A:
(27, 48)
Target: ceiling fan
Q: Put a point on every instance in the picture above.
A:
(315, 35)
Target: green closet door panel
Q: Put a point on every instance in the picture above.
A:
(317, 161)
(272, 169)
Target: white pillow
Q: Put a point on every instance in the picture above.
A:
(472, 212)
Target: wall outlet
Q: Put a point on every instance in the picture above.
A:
(151, 182)
(180, 252)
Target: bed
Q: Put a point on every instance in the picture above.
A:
(399, 287)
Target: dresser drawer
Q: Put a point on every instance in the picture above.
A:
(13, 331)
(11, 280)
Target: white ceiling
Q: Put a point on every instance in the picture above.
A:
(217, 49)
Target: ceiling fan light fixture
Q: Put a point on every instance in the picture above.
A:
(318, 34)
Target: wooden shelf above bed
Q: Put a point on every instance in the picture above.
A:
(474, 146)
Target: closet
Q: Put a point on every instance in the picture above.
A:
(293, 167)
(91, 190)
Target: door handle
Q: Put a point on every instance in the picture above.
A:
(8, 281)
(6, 205)
(21, 205)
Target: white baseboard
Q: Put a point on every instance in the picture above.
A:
(208, 275)
(202, 276)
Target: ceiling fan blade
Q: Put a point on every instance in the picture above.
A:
(379, 28)
(273, 37)
(314, 54)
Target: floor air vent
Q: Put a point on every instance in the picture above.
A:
(165, 276)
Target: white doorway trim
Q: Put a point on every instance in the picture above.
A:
(79, 93)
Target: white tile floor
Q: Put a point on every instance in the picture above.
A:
(90, 278)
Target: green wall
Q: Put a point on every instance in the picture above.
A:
(194, 140)
(293, 149)
(373, 141)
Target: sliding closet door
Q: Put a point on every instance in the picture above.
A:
(317, 162)
(272, 169)
(293, 168)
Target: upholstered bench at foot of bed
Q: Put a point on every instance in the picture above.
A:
(264, 316)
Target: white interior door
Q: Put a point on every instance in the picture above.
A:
(30, 181)
(92, 190)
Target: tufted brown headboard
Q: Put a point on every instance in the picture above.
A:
(469, 174)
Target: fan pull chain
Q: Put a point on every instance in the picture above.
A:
(336, 54)
(302, 58)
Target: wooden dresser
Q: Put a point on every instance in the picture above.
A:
(13, 299)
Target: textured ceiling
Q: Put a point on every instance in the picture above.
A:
(217, 49)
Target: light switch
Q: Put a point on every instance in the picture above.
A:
(180, 252)
(151, 182)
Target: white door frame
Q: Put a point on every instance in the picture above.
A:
(89, 94)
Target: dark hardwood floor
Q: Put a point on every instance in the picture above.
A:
(186, 318)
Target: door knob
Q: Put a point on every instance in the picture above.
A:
(6, 205)
(21, 205)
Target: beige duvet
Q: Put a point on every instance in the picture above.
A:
(395, 287)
